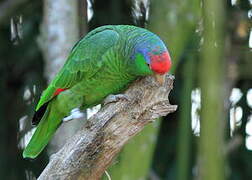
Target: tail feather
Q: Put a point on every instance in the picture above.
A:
(44, 132)
(39, 114)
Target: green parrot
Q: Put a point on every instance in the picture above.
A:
(104, 62)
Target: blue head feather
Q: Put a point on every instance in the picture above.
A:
(148, 44)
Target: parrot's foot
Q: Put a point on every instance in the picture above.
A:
(52, 156)
(75, 114)
(115, 98)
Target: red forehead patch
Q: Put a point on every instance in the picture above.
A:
(160, 63)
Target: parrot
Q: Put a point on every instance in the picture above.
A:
(102, 63)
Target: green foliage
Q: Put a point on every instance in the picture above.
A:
(174, 21)
(211, 156)
(185, 132)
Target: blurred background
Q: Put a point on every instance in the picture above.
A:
(210, 41)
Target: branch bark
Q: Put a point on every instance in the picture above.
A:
(88, 154)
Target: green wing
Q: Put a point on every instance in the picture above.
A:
(84, 61)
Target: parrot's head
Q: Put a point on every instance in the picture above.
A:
(152, 57)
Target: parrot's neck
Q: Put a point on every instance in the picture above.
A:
(139, 66)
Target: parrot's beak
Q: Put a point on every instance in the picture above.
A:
(160, 78)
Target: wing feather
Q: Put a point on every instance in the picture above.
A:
(84, 60)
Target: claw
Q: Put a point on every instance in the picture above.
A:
(115, 98)
(75, 114)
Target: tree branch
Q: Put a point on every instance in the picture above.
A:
(88, 154)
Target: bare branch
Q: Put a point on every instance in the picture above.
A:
(88, 154)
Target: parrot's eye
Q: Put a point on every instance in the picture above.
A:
(147, 64)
